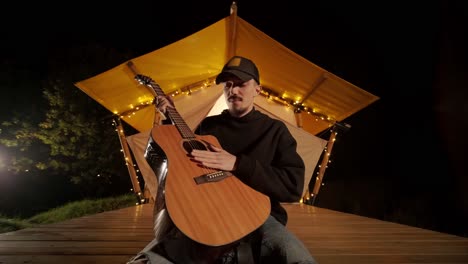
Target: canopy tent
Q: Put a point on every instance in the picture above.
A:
(295, 90)
(193, 62)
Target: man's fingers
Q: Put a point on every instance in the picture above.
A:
(162, 102)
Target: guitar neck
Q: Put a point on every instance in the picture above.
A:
(174, 115)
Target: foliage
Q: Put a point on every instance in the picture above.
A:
(82, 143)
(9, 224)
(75, 139)
(83, 207)
(72, 135)
(69, 211)
(19, 135)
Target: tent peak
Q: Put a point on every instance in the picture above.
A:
(234, 8)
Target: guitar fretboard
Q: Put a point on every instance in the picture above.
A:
(174, 115)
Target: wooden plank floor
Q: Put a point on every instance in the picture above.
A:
(332, 237)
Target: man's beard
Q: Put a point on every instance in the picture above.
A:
(237, 108)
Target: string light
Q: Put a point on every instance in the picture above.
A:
(295, 104)
(309, 198)
(140, 197)
(269, 94)
(266, 92)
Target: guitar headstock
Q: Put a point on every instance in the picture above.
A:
(142, 79)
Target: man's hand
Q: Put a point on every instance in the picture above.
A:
(217, 158)
(163, 102)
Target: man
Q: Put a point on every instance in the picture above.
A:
(261, 152)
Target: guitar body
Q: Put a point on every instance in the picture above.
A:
(212, 213)
(209, 206)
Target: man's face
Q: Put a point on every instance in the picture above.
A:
(240, 95)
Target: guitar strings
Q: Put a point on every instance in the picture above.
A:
(186, 133)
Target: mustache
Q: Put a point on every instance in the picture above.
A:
(234, 97)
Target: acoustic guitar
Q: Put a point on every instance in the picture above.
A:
(209, 206)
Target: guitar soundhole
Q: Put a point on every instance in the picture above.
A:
(193, 144)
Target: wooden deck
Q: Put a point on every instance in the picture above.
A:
(332, 237)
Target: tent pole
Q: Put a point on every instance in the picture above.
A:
(232, 44)
(129, 161)
(298, 116)
(322, 167)
(314, 87)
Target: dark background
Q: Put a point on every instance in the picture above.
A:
(404, 158)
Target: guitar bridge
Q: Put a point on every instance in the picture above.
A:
(212, 177)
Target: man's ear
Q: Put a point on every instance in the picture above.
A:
(258, 89)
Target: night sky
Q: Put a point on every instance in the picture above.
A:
(404, 158)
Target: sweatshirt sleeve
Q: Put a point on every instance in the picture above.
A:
(283, 178)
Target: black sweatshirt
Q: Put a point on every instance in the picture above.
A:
(267, 159)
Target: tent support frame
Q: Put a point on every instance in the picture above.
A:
(129, 162)
(311, 197)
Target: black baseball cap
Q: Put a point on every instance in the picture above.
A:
(240, 67)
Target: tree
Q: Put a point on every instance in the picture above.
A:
(17, 137)
(74, 136)
(82, 140)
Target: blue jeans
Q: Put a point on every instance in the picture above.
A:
(271, 243)
(279, 245)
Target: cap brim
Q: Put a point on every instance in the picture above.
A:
(239, 74)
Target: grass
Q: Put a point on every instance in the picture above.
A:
(68, 211)
(12, 224)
